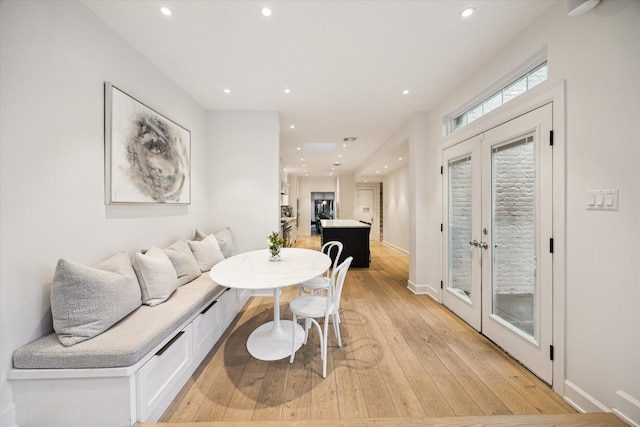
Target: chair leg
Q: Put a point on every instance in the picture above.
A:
(293, 340)
(324, 339)
(336, 329)
(307, 323)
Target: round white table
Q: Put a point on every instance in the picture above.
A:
(253, 270)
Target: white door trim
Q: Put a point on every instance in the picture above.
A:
(543, 94)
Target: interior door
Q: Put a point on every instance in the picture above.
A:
(497, 208)
(462, 210)
(367, 211)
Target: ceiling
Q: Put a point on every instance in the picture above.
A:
(344, 63)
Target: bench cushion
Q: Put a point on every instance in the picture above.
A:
(126, 342)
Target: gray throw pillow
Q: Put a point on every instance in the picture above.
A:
(184, 263)
(225, 240)
(157, 277)
(86, 301)
(206, 252)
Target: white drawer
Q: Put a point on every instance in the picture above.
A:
(206, 330)
(228, 301)
(158, 378)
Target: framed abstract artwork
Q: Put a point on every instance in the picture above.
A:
(147, 156)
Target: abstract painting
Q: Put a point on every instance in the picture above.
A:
(148, 157)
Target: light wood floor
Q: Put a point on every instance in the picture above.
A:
(405, 360)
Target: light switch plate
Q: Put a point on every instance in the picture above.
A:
(602, 200)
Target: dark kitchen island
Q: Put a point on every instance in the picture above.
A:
(354, 236)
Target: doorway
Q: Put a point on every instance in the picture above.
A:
(322, 207)
(497, 210)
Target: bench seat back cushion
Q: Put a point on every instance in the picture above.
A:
(126, 342)
(86, 301)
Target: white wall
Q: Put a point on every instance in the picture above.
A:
(345, 196)
(598, 56)
(243, 172)
(307, 185)
(55, 58)
(396, 209)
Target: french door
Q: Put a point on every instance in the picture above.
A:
(497, 190)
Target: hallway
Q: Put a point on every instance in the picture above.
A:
(403, 356)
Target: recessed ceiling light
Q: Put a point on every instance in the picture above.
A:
(227, 91)
(344, 145)
(165, 11)
(405, 92)
(299, 148)
(265, 11)
(386, 167)
(292, 126)
(301, 159)
(287, 91)
(399, 158)
(467, 12)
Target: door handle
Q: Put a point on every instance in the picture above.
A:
(474, 243)
(483, 245)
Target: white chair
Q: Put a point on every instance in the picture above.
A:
(316, 285)
(313, 307)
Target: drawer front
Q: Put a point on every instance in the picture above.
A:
(228, 301)
(206, 330)
(160, 378)
(228, 308)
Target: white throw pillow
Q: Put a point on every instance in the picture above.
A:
(206, 252)
(86, 301)
(184, 263)
(156, 275)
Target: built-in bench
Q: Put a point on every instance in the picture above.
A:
(132, 371)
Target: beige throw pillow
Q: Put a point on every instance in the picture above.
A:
(225, 240)
(156, 275)
(186, 266)
(86, 301)
(206, 252)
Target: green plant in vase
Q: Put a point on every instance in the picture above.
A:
(275, 244)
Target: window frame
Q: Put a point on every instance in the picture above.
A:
(524, 70)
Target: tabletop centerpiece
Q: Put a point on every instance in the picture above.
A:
(275, 244)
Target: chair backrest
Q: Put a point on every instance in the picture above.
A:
(338, 275)
(333, 249)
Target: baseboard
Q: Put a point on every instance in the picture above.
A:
(396, 248)
(581, 400)
(424, 290)
(627, 408)
(8, 416)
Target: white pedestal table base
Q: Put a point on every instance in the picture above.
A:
(267, 342)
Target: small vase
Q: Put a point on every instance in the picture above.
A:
(274, 253)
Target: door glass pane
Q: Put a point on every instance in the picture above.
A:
(513, 222)
(459, 224)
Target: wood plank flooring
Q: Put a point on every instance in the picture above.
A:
(404, 358)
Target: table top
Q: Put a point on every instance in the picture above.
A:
(254, 270)
(343, 223)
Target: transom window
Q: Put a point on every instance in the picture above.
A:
(515, 88)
